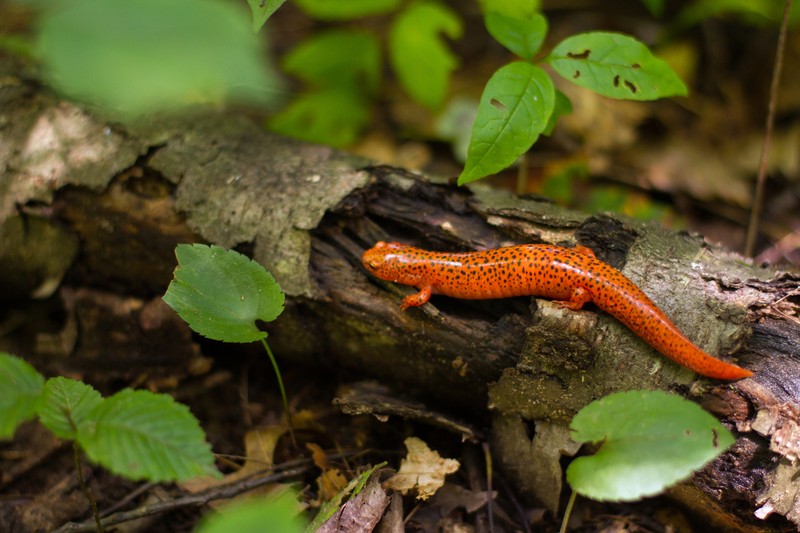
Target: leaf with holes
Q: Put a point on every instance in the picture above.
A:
(221, 293)
(651, 440)
(616, 66)
(142, 435)
(515, 108)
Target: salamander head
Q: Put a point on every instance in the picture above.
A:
(390, 261)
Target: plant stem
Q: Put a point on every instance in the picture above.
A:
(755, 211)
(82, 482)
(568, 511)
(283, 391)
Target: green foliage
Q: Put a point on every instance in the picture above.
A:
(141, 56)
(221, 293)
(522, 36)
(279, 514)
(515, 108)
(142, 435)
(137, 434)
(66, 405)
(346, 9)
(262, 10)
(342, 68)
(21, 388)
(650, 440)
(616, 66)
(423, 62)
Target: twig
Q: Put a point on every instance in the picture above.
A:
(190, 500)
(758, 195)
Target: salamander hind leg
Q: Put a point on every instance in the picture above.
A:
(577, 299)
(415, 300)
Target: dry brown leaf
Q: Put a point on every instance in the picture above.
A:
(422, 470)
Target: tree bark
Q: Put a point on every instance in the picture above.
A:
(89, 210)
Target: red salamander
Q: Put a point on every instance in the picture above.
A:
(571, 276)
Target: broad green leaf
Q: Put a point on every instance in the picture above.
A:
(562, 107)
(221, 293)
(139, 56)
(142, 435)
(21, 387)
(522, 36)
(339, 58)
(262, 10)
(66, 404)
(421, 60)
(511, 8)
(345, 9)
(515, 108)
(616, 66)
(334, 117)
(651, 440)
(279, 514)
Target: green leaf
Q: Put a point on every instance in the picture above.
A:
(511, 8)
(616, 66)
(142, 435)
(562, 107)
(334, 117)
(256, 515)
(420, 58)
(66, 404)
(21, 387)
(522, 36)
(651, 440)
(221, 293)
(338, 58)
(345, 9)
(655, 7)
(262, 10)
(515, 108)
(141, 56)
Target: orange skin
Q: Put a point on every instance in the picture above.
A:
(571, 276)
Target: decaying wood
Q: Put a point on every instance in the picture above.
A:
(110, 203)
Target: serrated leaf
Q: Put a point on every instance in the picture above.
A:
(515, 108)
(221, 293)
(351, 9)
(279, 514)
(522, 36)
(616, 66)
(332, 116)
(142, 435)
(651, 440)
(66, 404)
(338, 58)
(421, 60)
(141, 56)
(262, 10)
(21, 387)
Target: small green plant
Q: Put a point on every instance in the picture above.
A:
(279, 514)
(650, 441)
(136, 434)
(221, 294)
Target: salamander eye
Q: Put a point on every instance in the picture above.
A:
(374, 264)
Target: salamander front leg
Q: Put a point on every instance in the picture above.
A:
(415, 300)
(577, 299)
